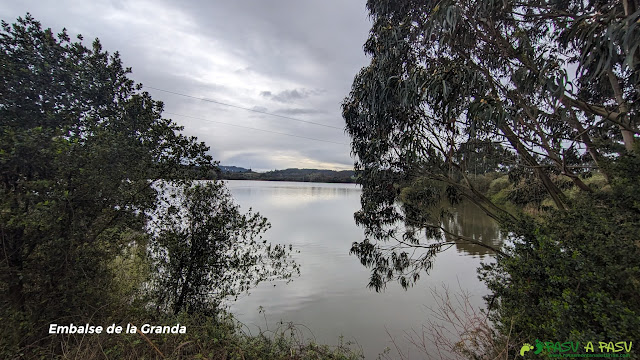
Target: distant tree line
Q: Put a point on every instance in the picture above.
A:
(300, 175)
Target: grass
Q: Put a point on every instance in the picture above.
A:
(206, 338)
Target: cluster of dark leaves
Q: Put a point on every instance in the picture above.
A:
(577, 276)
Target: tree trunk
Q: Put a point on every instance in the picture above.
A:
(555, 193)
(627, 135)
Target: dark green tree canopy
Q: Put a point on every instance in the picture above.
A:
(79, 149)
(83, 155)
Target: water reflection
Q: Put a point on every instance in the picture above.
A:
(291, 195)
(331, 297)
(470, 221)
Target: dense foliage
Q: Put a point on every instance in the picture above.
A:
(206, 251)
(576, 278)
(543, 93)
(82, 152)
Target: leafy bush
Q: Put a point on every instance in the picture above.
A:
(577, 276)
(205, 250)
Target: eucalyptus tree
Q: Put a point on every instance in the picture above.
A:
(549, 92)
(551, 86)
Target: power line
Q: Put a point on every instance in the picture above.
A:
(244, 108)
(252, 128)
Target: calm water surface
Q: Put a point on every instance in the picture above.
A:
(330, 297)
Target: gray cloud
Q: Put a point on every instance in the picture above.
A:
(253, 54)
(288, 96)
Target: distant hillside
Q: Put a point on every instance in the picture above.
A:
(302, 175)
(233, 169)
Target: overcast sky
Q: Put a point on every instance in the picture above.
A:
(295, 58)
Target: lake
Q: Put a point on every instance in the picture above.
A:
(330, 298)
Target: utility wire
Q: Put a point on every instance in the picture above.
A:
(244, 108)
(252, 128)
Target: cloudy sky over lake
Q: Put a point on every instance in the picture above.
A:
(292, 58)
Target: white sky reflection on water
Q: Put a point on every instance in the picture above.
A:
(330, 297)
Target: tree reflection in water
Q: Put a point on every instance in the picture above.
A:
(468, 220)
